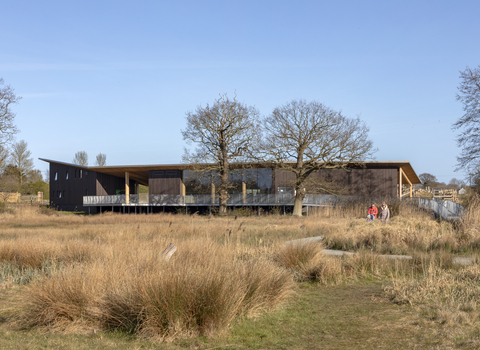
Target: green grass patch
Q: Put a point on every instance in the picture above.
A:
(352, 316)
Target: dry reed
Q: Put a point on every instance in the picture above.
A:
(109, 273)
(203, 288)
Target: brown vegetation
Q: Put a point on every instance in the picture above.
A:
(104, 272)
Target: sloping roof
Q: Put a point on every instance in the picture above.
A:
(139, 173)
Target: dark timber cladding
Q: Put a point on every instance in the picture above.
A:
(109, 185)
(165, 181)
(367, 182)
(69, 183)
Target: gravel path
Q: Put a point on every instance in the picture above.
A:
(464, 261)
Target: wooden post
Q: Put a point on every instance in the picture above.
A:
(127, 187)
(409, 182)
(183, 189)
(244, 192)
(213, 193)
(400, 174)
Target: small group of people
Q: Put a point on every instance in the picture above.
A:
(373, 211)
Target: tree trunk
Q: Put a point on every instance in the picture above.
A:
(298, 206)
(222, 200)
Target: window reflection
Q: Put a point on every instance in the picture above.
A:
(257, 181)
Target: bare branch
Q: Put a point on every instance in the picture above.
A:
(81, 158)
(7, 117)
(101, 159)
(305, 137)
(469, 123)
(224, 133)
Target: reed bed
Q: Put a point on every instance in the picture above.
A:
(104, 272)
(447, 296)
(200, 291)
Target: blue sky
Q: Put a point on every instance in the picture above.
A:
(117, 77)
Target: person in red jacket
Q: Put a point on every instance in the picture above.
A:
(372, 212)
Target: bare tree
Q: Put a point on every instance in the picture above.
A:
(306, 137)
(456, 183)
(4, 155)
(7, 100)
(469, 123)
(21, 159)
(81, 158)
(224, 134)
(47, 176)
(428, 180)
(101, 159)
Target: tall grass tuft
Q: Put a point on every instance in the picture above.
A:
(308, 262)
(446, 296)
(200, 291)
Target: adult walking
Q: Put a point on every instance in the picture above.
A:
(384, 213)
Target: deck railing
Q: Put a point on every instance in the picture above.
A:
(235, 199)
(444, 208)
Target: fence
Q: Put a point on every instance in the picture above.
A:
(443, 208)
(205, 200)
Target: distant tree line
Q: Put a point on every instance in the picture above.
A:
(17, 173)
(429, 180)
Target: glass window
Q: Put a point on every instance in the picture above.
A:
(257, 181)
(66, 175)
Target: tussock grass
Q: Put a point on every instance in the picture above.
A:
(34, 252)
(105, 272)
(447, 296)
(199, 292)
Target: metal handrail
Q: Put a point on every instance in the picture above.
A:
(443, 208)
(234, 199)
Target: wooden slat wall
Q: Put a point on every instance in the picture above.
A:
(282, 178)
(72, 189)
(164, 181)
(367, 182)
(108, 184)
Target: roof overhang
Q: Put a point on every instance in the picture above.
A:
(139, 173)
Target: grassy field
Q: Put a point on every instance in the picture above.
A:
(86, 282)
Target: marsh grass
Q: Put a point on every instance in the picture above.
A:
(200, 291)
(446, 296)
(105, 272)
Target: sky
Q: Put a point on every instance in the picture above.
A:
(118, 77)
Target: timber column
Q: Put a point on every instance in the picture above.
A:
(127, 188)
(400, 175)
(244, 192)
